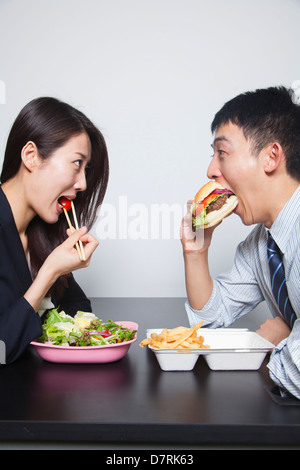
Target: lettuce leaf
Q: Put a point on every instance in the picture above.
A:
(200, 220)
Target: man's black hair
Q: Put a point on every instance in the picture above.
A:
(266, 116)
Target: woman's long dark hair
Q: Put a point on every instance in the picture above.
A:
(50, 123)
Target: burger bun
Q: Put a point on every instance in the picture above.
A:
(214, 217)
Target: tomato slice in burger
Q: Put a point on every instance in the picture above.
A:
(207, 200)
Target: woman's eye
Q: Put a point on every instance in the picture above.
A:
(78, 163)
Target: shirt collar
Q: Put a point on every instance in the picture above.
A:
(283, 225)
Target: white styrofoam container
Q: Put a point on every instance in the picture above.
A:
(230, 349)
(174, 359)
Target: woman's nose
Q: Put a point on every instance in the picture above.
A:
(213, 171)
(80, 184)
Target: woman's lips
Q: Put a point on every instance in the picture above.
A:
(59, 208)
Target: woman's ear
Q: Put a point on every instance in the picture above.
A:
(273, 157)
(30, 156)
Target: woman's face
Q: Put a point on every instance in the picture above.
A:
(62, 174)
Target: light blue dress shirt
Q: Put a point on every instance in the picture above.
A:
(239, 291)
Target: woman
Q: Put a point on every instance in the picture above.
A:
(53, 150)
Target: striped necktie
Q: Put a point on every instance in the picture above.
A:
(278, 282)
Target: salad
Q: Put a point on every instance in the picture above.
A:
(85, 329)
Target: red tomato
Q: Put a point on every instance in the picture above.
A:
(105, 333)
(207, 200)
(65, 202)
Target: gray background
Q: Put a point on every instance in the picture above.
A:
(151, 74)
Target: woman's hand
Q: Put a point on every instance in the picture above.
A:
(63, 260)
(65, 257)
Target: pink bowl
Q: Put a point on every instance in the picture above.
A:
(89, 354)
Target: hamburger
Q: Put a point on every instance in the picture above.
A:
(211, 204)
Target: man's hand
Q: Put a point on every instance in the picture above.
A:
(274, 330)
(198, 241)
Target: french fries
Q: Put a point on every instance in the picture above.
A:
(177, 338)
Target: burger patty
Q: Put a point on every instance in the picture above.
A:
(216, 205)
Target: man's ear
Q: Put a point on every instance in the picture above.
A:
(30, 156)
(273, 157)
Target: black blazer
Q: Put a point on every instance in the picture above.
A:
(19, 323)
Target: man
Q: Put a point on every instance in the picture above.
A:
(257, 156)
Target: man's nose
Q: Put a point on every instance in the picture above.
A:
(213, 171)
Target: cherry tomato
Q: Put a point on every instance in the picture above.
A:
(65, 202)
(105, 333)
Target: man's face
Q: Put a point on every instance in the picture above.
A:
(234, 167)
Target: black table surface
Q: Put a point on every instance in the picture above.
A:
(134, 401)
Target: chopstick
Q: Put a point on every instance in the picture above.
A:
(77, 228)
(73, 230)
